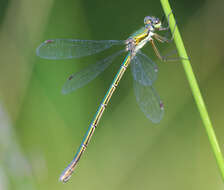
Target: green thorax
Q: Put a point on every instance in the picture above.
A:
(142, 32)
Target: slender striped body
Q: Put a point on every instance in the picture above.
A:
(69, 170)
(133, 45)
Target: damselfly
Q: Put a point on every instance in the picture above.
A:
(144, 72)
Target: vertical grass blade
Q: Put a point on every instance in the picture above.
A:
(195, 89)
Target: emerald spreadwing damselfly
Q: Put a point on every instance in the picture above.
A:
(143, 69)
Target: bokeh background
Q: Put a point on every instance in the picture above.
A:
(41, 129)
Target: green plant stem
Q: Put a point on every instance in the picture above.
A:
(194, 87)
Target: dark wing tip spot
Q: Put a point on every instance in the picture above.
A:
(161, 105)
(71, 77)
(49, 41)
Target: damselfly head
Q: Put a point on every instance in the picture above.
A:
(152, 21)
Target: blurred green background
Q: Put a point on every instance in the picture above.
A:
(41, 129)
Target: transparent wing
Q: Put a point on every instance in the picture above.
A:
(144, 70)
(86, 75)
(149, 102)
(72, 48)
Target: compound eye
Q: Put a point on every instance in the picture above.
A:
(157, 20)
(147, 20)
(157, 23)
